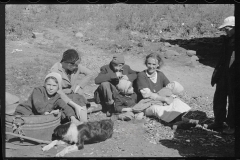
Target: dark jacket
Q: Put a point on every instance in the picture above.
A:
(122, 101)
(107, 74)
(38, 103)
(222, 67)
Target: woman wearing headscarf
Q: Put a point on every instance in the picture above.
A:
(70, 69)
(45, 100)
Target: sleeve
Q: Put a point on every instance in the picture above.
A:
(88, 75)
(104, 76)
(67, 110)
(24, 108)
(63, 96)
(141, 81)
(146, 92)
(118, 104)
(165, 80)
(132, 75)
(38, 102)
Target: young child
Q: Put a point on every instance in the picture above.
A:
(171, 90)
(125, 100)
(45, 100)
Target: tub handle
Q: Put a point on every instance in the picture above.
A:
(17, 126)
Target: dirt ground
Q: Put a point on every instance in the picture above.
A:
(27, 62)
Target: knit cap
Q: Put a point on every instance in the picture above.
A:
(123, 85)
(57, 76)
(178, 88)
(118, 59)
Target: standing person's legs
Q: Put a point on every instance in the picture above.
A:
(231, 105)
(219, 104)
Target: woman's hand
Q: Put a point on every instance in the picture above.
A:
(127, 110)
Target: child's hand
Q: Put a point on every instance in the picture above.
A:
(54, 112)
(127, 110)
(46, 113)
(124, 77)
(119, 74)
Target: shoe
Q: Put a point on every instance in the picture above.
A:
(108, 114)
(110, 110)
(215, 126)
(229, 130)
(183, 125)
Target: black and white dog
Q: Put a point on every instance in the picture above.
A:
(77, 135)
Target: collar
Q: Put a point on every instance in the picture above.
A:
(152, 75)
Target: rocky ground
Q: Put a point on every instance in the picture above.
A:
(188, 61)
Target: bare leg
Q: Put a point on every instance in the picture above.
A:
(52, 144)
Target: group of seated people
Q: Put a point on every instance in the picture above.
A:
(121, 91)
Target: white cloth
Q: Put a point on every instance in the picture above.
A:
(168, 113)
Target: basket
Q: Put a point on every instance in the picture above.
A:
(34, 126)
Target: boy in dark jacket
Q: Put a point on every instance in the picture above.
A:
(107, 80)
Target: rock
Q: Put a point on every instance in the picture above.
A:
(194, 58)
(167, 44)
(191, 52)
(79, 35)
(193, 62)
(37, 35)
(170, 54)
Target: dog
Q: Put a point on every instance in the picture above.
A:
(77, 135)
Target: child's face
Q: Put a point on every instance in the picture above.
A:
(171, 85)
(51, 86)
(117, 67)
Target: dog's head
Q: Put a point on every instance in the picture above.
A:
(108, 122)
(60, 131)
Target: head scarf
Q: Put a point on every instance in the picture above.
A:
(123, 86)
(57, 76)
(70, 56)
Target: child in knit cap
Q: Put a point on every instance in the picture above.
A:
(125, 100)
(108, 79)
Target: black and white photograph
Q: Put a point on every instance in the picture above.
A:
(120, 80)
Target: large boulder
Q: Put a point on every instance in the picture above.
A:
(193, 61)
(79, 35)
(170, 54)
(191, 53)
(167, 44)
